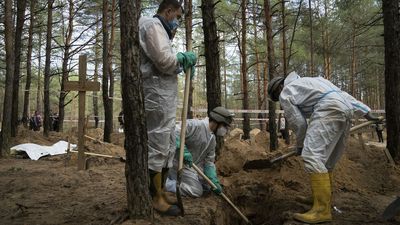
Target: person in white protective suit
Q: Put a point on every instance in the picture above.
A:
(200, 143)
(159, 65)
(322, 141)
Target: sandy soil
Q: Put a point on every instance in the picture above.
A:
(52, 191)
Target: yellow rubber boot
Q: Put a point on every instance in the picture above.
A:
(170, 197)
(159, 202)
(321, 210)
(308, 200)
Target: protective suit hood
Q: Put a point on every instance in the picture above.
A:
(291, 77)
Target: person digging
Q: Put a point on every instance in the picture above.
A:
(200, 143)
(321, 141)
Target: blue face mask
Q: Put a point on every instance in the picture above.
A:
(174, 24)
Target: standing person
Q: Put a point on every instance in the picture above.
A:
(379, 131)
(200, 146)
(322, 141)
(159, 65)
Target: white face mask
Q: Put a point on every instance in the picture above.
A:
(221, 131)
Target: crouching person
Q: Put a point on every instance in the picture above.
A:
(200, 146)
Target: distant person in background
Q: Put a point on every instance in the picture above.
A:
(35, 121)
(322, 140)
(379, 131)
(55, 122)
(282, 126)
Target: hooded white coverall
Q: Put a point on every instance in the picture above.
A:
(159, 67)
(200, 142)
(330, 111)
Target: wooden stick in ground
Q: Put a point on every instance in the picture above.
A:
(182, 139)
(222, 194)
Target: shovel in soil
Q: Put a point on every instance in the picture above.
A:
(267, 163)
(392, 209)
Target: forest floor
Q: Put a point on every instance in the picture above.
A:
(52, 191)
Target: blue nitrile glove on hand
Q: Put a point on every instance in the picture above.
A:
(187, 60)
(211, 173)
(187, 156)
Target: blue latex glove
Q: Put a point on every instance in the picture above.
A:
(187, 156)
(211, 173)
(187, 60)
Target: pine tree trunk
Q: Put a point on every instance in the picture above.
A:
(391, 21)
(258, 67)
(285, 64)
(310, 13)
(21, 6)
(353, 63)
(25, 114)
(65, 70)
(211, 52)
(110, 69)
(46, 83)
(96, 75)
(8, 38)
(188, 32)
(271, 72)
(39, 89)
(136, 171)
(106, 76)
(245, 101)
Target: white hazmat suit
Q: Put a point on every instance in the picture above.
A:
(329, 111)
(201, 143)
(159, 67)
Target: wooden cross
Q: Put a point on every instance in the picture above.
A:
(81, 86)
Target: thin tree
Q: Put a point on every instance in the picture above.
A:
(46, 83)
(25, 114)
(258, 64)
(39, 84)
(211, 52)
(310, 14)
(106, 76)
(188, 32)
(96, 74)
(65, 61)
(391, 21)
(284, 63)
(271, 73)
(21, 6)
(136, 171)
(243, 53)
(8, 36)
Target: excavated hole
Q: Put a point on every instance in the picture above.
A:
(261, 204)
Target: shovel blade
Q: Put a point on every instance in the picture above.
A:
(257, 164)
(392, 209)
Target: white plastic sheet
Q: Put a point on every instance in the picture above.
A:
(35, 151)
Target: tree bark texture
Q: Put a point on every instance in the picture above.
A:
(96, 75)
(136, 171)
(211, 52)
(21, 6)
(46, 83)
(391, 21)
(310, 14)
(65, 69)
(106, 76)
(8, 36)
(271, 73)
(26, 112)
(245, 100)
(188, 32)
